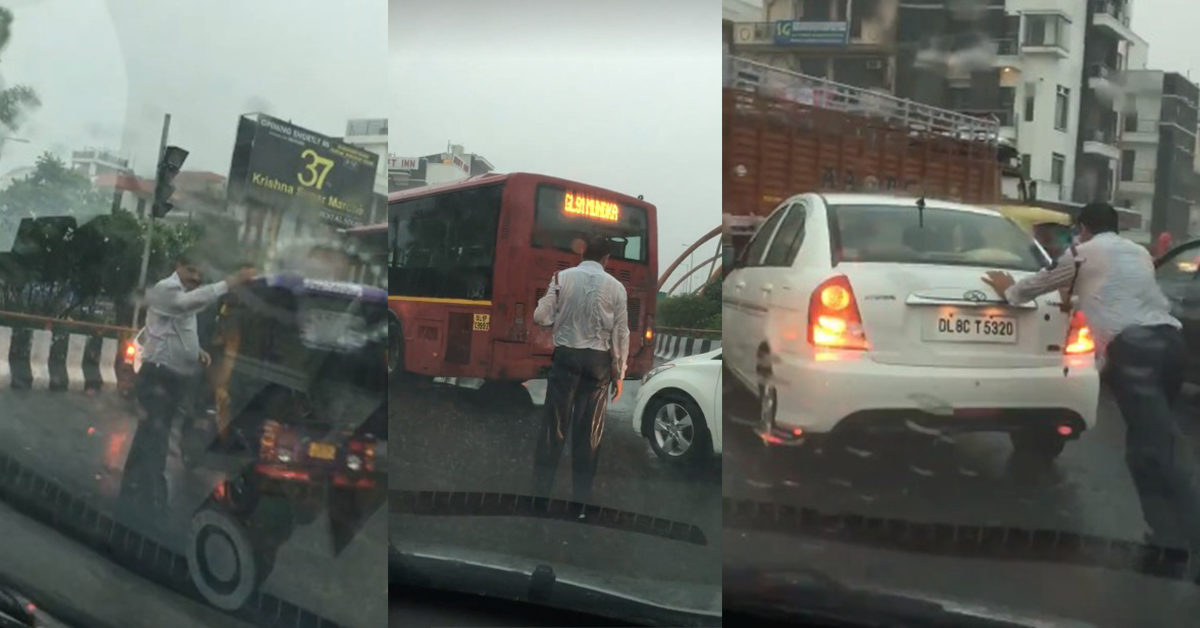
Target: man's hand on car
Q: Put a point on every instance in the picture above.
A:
(1000, 281)
(241, 277)
(205, 358)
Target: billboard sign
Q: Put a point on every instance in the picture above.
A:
(402, 163)
(278, 164)
(797, 33)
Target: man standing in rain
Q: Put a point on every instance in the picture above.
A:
(587, 307)
(1142, 349)
(171, 360)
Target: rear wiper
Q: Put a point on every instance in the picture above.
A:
(542, 586)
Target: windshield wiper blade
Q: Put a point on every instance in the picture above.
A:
(992, 542)
(484, 504)
(755, 597)
(541, 586)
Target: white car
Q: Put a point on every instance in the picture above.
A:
(678, 408)
(853, 313)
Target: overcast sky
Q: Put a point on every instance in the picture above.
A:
(107, 70)
(623, 94)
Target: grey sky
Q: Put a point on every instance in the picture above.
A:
(107, 70)
(1170, 28)
(623, 94)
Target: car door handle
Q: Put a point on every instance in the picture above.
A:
(739, 285)
(767, 289)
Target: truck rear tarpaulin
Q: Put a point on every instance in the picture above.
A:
(786, 133)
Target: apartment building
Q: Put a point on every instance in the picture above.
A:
(847, 41)
(1157, 173)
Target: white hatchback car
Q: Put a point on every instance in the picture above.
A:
(852, 313)
(678, 408)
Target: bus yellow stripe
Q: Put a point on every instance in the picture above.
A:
(436, 300)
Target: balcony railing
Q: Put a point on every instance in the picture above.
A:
(1101, 71)
(1140, 125)
(1102, 135)
(1006, 47)
(1115, 10)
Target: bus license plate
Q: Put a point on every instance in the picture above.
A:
(322, 451)
(956, 327)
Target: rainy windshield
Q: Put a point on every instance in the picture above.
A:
(525, 447)
(891, 459)
(183, 445)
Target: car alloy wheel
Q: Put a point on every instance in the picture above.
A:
(674, 430)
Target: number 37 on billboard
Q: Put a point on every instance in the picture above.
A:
(316, 168)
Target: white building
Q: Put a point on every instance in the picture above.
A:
(454, 164)
(372, 134)
(1045, 72)
(94, 162)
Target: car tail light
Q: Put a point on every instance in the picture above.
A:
(648, 337)
(269, 440)
(130, 352)
(1079, 336)
(833, 318)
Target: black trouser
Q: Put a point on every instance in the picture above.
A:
(1145, 374)
(576, 399)
(161, 393)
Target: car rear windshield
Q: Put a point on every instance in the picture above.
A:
(904, 234)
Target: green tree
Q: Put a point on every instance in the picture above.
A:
(701, 310)
(73, 250)
(17, 100)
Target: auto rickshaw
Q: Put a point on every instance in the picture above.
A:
(300, 382)
(1052, 229)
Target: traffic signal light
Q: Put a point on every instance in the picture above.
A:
(172, 160)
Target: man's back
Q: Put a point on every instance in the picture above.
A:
(1117, 287)
(587, 307)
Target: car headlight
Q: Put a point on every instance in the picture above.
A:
(353, 462)
(656, 370)
(284, 456)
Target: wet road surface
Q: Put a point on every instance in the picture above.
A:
(80, 441)
(969, 482)
(452, 439)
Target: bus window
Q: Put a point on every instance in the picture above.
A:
(556, 228)
(444, 246)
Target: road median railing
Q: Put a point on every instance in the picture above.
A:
(44, 353)
(677, 342)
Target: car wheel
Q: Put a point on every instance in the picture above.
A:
(678, 432)
(1037, 445)
(224, 564)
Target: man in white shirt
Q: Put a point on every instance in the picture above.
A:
(1141, 348)
(587, 308)
(171, 359)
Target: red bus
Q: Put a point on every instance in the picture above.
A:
(468, 261)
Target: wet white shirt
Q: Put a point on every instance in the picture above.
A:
(1116, 287)
(588, 309)
(172, 339)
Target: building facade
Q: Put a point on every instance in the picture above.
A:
(454, 164)
(1157, 176)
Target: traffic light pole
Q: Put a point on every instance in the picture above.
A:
(141, 294)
